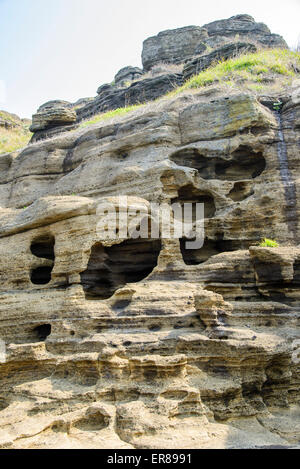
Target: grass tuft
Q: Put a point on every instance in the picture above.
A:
(249, 67)
(268, 243)
(110, 115)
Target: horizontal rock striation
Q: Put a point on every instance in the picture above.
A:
(179, 45)
(228, 51)
(143, 343)
(193, 48)
(127, 75)
(172, 46)
(52, 114)
(110, 97)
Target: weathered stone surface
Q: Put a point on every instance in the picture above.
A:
(225, 52)
(219, 118)
(111, 97)
(182, 44)
(191, 45)
(245, 26)
(143, 343)
(174, 46)
(127, 74)
(52, 114)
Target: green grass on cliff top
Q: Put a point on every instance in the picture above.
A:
(249, 68)
(110, 115)
(253, 71)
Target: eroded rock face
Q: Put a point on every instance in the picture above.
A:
(189, 50)
(52, 114)
(180, 45)
(142, 91)
(127, 74)
(244, 26)
(227, 51)
(129, 343)
(172, 46)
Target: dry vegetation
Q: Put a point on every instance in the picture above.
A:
(14, 132)
(268, 70)
(255, 71)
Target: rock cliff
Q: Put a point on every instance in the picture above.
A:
(168, 59)
(143, 343)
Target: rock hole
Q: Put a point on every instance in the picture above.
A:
(92, 423)
(243, 163)
(241, 191)
(42, 332)
(111, 268)
(154, 328)
(41, 275)
(3, 404)
(209, 249)
(43, 248)
(193, 159)
(189, 194)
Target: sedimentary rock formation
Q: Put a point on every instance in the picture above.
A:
(127, 74)
(52, 115)
(192, 47)
(227, 51)
(179, 45)
(173, 46)
(141, 342)
(243, 26)
(141, 91)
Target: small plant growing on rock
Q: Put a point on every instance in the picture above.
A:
(277, 106)
(268, 243)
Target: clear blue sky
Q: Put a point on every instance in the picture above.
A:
(64, 49)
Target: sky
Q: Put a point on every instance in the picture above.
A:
(65, 49)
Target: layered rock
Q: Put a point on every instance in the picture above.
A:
(179, 45)
(53, 114)
(230, 50)
(142, 91)
(189, 48)
(244, 26)
(142, 343)
(172, 46)
(127, 75)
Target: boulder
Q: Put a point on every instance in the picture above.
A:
(244, 26)
(179, 45)
(127, 74)
(172, 46)
(52, 114)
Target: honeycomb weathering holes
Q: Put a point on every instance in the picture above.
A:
(43, 248)
(243, 163)
(111, 268)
